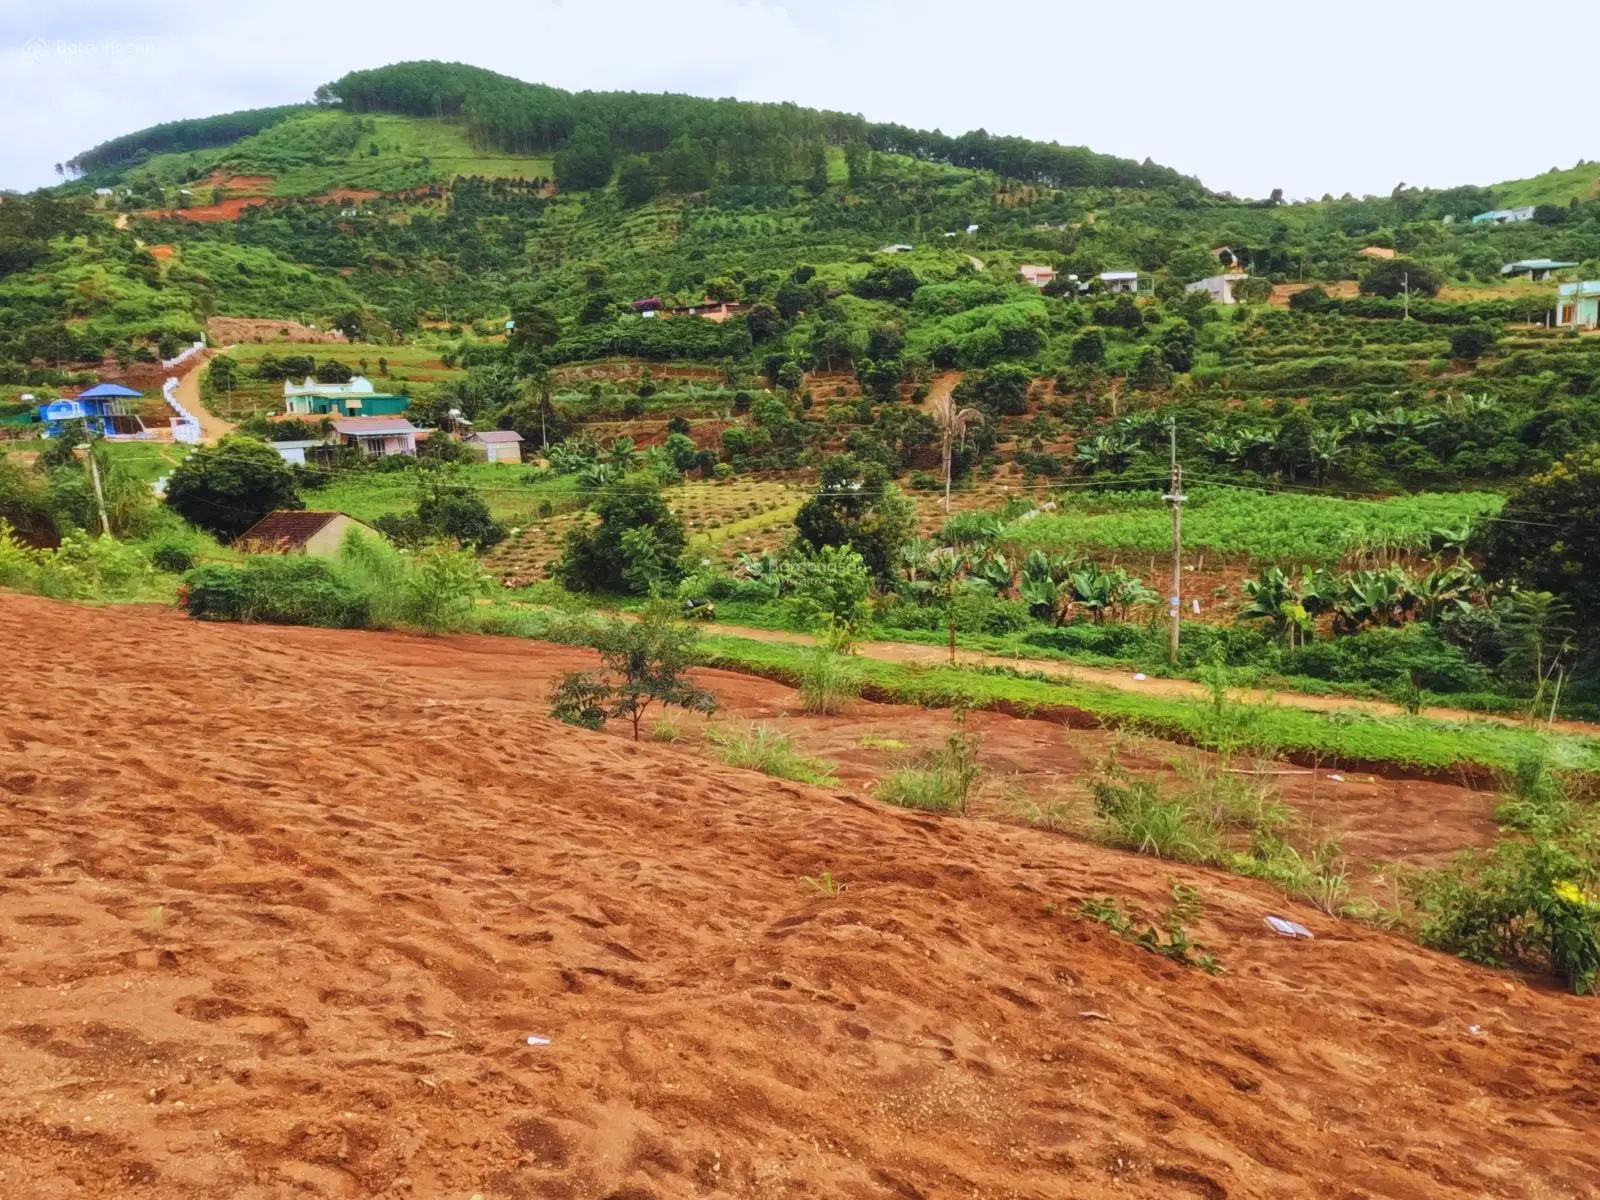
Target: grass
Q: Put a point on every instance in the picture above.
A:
(942, 781)
(759, 747)
(1265, 527)
(828, 681)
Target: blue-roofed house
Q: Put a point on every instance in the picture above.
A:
(104, 410)
(1578, 305)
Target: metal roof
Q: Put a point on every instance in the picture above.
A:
(106, 391)
(373, 426)
(495, 435)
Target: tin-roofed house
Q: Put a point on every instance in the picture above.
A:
(1120, 281)
(357, 398)
(103, 409)
(378, 437)
(1536, 269)
(1578, 305)
(293, 531)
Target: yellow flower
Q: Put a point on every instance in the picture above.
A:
(1570, 892)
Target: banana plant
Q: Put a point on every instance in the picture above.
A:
(1092, 590)
(995, 570)
(1445, 590)
(1128, 590)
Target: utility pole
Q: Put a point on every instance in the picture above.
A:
(1176, 498)
(99, 495)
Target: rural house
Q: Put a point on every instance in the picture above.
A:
(1120, 281)
(292, 531)
(358, 398)
(103, 409)
(1536, 269)
(498, 445)
(710, 310)
(378, 437)
(1578, 305)
(1504, 216)
(1220, 287)
(1036, 275)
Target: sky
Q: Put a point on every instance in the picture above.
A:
(1247, 95)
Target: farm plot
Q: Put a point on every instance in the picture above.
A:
(1263, 527)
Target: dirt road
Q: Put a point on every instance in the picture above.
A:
(212, 427)
(299, 911)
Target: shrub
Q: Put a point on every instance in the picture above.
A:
(1528, 903)
(228, 487)
(635, 546)
(278, 590)
(648, 661)
(172, 555)
(441, 586)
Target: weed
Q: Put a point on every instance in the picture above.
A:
(942, 781)
(872, 742)
(666, 729)
(759, 747)
(824, 883)
(828, 680)
(1168, 937)
(1058, 816)
(1138, 817)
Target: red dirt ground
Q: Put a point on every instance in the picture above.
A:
(226, 210)
(281, 908)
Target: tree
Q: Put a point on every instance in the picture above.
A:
(331, 370)
(587, 160)
(1395, 276)
(1553, 544)
(648, 662)
(598, 559)
(637, 181)
(449, 506)
(228, 487)
(222, 374)
(830, 589)
(1177, 346)
(1311, 300)
(952, 422)
(1471, 341)
(857, 506)
(534, 326)
(1549, 214)
(1089, 348)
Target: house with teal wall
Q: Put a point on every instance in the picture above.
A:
(357, 398)
(1578, 305)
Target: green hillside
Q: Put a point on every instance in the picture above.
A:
(1560, 187)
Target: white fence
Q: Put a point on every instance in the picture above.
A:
(185, 426)
(183, 356)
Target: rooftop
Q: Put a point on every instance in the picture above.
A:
(373, 426)
(288, 527)
(496, 435)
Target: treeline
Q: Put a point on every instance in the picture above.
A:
(1045, 163)
(179, 137)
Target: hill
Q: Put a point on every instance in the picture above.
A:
(316, 961)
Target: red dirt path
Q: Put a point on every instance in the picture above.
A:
(281, 907)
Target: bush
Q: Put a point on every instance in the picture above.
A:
(228, 487)
(1527, 903)
(278, 590)
(828, 680)
(636, 545)
(172, 556)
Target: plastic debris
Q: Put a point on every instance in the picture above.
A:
(1140, 676)
(535, 1040)
(1290, 929)
(1337, 778)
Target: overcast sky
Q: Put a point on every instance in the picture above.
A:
(1248, 95)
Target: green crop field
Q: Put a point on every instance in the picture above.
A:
(1282, 527)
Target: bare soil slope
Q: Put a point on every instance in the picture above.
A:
(279, 910)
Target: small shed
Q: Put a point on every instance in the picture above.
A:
(1536, 269)
(294, 452)
(292, 531)
(498, 445)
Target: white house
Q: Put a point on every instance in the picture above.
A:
(294, 452)
(1220, 287)
(1578, 305)
(1536, 269)
(1120, 281)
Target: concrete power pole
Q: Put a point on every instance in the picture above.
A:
(1176, 497)
(99, 494)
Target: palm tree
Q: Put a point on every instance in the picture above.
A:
(952, 422)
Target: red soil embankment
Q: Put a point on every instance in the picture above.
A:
(282, 907)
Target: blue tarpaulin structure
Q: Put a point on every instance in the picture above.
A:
(96, 408)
